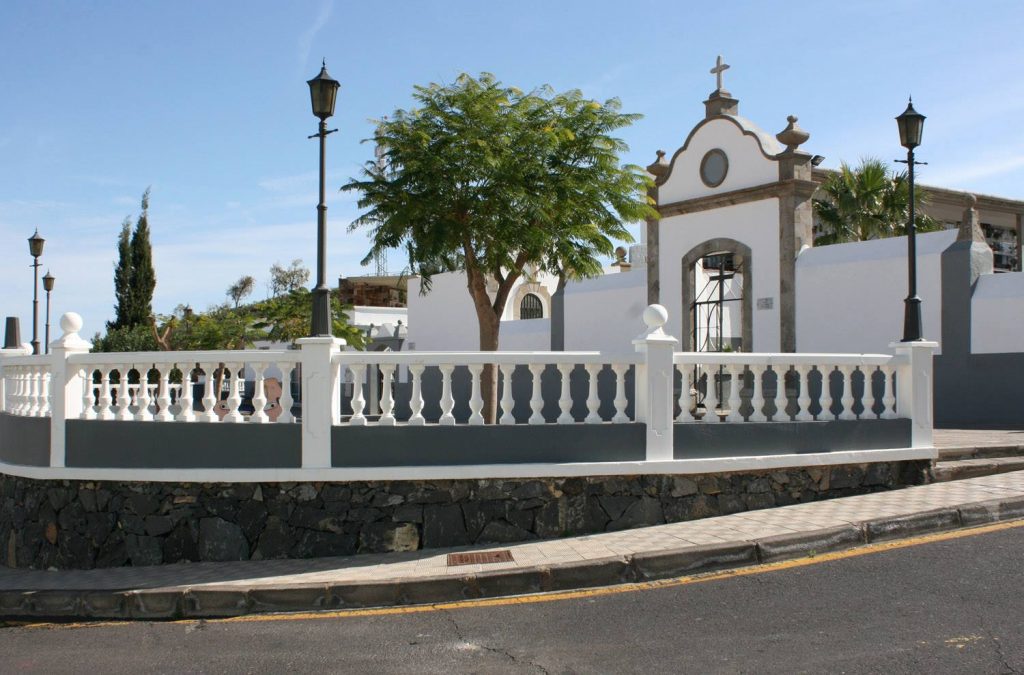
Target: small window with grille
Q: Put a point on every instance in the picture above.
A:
(531, 307)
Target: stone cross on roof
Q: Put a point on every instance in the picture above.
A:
(717, 71)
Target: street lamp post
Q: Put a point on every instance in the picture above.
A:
(323, 91)
(48, 280)
(911, 125)
(35, 249)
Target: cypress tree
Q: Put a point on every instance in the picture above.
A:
(134, 276)
(143, 276)
(122, 276)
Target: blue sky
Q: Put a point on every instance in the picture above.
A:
(207, 104)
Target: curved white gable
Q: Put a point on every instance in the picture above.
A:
(743, 143)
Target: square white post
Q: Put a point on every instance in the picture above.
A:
(321, 399)
(653, 400)
(66, 384)
(914, 386)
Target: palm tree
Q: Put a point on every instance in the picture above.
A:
(868, 202)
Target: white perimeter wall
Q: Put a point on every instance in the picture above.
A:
(444, 319)
(754, 224)
(850, 296)
(605, 313)
(997, 314)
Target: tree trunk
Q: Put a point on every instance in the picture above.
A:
(489, 327)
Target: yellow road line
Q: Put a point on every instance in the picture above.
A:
(556, 596)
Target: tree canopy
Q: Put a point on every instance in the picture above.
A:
(869, 202)
(487, 178)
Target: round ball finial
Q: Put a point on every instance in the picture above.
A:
(655, 316)
(71, 322)
(972, 201)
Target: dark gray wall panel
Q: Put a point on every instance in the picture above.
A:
(175, 445)
(753, 438)
(25, 440)
(466, 445)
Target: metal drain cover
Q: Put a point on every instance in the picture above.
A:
(479, 558)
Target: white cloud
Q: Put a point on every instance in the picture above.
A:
(306, 39)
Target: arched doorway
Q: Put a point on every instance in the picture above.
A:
(531, 307)
(716, 290)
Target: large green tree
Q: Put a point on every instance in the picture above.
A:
(869, 202)
(488, 179)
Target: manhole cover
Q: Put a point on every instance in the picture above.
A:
(479, 558)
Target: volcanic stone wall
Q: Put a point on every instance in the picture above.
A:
(86, 524)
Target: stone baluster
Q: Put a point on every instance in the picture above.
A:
(826, 395)
(781, 401)
(803, 399)
(210, 396)
(593, 398)
(447, 400)
(358, 419)
(286, 402)
(235, 377)
(416, 419)
(848, 399)
(44, 394)
(476, 401)
(105, 400)
(711, 397)
(163, 400)
(620, 402)
(185, 412)
(142, 397)
(757, 395)
(565, 400)
(536, 396)
(888, 394)
(259, 395)
(507, 401)
(124, 397)
(736, 382)
(88, 400)
(33, 392)
(685, 396)
(19, 399)
(387, 401)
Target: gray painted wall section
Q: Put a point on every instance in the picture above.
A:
(972, 389)
(466, 445)
(694, 441)
(156, 445)
(25, 440)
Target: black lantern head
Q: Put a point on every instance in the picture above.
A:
(35, 245)
(323, 90)
(48, 280)
(911, 125)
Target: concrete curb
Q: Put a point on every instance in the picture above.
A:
(228, 600)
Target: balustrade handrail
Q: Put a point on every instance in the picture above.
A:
(785, 359)
(172, 358)
(484, 358)
(30, 360)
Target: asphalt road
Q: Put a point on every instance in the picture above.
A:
(954, 606)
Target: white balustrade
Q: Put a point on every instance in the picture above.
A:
(734, 366)
(141, 386)
(446, 372)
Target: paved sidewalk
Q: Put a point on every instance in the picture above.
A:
(974, 438)
(224, 589)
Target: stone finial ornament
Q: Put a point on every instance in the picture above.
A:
(970, 222)
(659, 167)
(792, 136)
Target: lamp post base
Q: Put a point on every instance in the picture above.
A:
(912, 319)
(321, 324)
